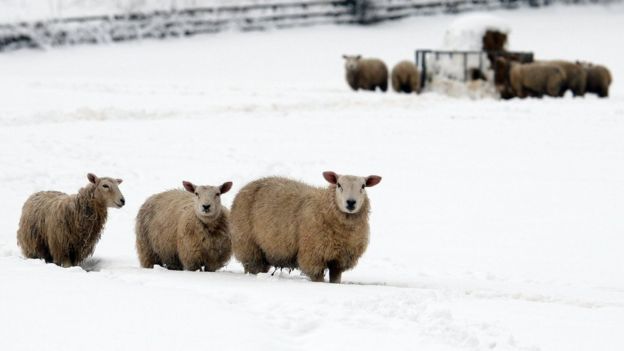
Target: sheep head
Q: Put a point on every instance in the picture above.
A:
(350, 191)
(352, 62)
(107, 189)
(207, 198)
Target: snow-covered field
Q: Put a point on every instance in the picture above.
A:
(499, 225)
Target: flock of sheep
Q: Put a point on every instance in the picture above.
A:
(513, 78)
(274, 221)
(550, 78)
(372, 73)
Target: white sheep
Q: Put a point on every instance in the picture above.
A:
(185, 229)
(63, 228)
(366, 74)
(285, 223)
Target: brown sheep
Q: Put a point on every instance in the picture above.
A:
(366, 74)
(405, 77)
(598, 79)
(576, 76)
(63, 228)
(285, 223)
(501, 71)
(185, 229)
(531, 79)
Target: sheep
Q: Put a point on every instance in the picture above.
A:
(284, 223)
(501, 65)
(366, 74)
(185, 229)
(64, 229)
(405, 77)
(576, 76)
(598, 79)
(531, 79)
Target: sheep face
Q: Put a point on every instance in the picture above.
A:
(350, 190)
(207, 198)
(107, 189)
(352, 62)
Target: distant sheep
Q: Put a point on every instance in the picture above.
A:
(576, 76)
(185, 229)
(501, 69)
(531, 79)
(405, 77)
(366, 74)
(288, 224)
(64, 229)
(598, 79)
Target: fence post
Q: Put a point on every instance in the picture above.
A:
(363, 11)
(423, 74)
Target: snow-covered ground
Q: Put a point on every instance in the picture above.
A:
(498, 224)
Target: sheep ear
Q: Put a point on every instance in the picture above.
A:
(119, 180)
(188, 186)
(225, 187)
(372, 180)
(331, 177)
(92, 178)
(345, 57)
(358, 57)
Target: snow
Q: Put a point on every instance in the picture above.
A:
(467, 31)
(498, 224)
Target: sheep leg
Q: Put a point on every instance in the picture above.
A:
(250, 255)
(415, 84)
(396, 85)
(147, 256)
(174, 266)
(516, 86)
(312, 267)
(43, 252)
(317, 277)
(406, 88)
(554, 87)
(256, 267)
(384, 86)
(578, 92)
(74, 257)
(64, 262)
(40, 251)
(59, 255)
(191, 259)
(211, 267)
(194, 266)
(603, 92)
(335, 272)
(335, 276)
(149, 260)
